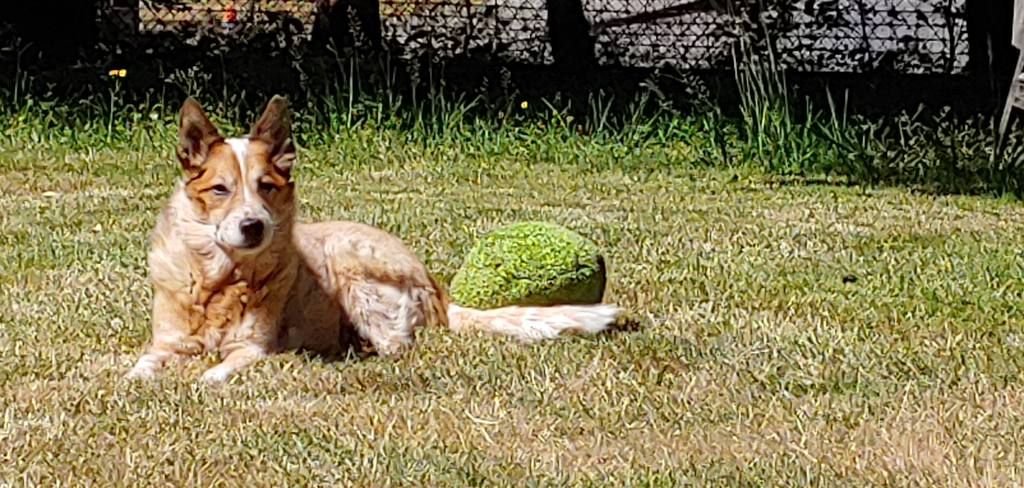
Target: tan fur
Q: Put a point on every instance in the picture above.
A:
(292, 285)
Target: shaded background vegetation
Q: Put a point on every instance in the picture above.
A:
(876, 126)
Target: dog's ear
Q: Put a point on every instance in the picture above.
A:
(275, 128)
(195, 136)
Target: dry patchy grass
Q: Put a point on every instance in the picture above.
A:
(795, 336)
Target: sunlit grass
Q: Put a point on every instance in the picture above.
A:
(786, 336)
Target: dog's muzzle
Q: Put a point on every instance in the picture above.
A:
(252, 232)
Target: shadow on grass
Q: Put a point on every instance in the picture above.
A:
(355, 349)
(625, 323)
(1001, 184)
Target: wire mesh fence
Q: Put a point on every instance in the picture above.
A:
(912, 36)
(924, 36)
(222, 17)
(918, 36)
(513, 29)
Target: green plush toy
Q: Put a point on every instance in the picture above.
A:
(530, 263)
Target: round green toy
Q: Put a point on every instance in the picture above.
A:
(530, 263)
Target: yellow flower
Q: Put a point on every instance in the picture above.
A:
(122, 73)
(524, 105)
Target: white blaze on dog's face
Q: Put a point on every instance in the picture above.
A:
(240, 185)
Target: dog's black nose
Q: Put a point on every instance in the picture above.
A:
(252, 231)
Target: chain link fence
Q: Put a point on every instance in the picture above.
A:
(911, 36)
(216, 17)
(515, 30)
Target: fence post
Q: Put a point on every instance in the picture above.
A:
(572, 46)
(1014, 98)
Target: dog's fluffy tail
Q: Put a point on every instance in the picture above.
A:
(533, 323)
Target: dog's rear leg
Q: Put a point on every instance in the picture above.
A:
(384, 315)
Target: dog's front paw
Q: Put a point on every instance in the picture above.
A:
(216, 374)
(144, 369)
(141, 374)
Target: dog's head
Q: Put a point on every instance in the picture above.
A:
(239, 186)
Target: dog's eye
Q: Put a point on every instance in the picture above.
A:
(219, 190)
(266, 188)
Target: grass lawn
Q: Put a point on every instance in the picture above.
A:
(783, 336)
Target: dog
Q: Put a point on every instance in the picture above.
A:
(232, 270)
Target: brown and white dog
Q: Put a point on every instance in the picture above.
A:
(232, 270)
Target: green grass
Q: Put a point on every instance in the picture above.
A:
(785, 335)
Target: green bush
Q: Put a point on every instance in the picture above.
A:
(530, 263)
